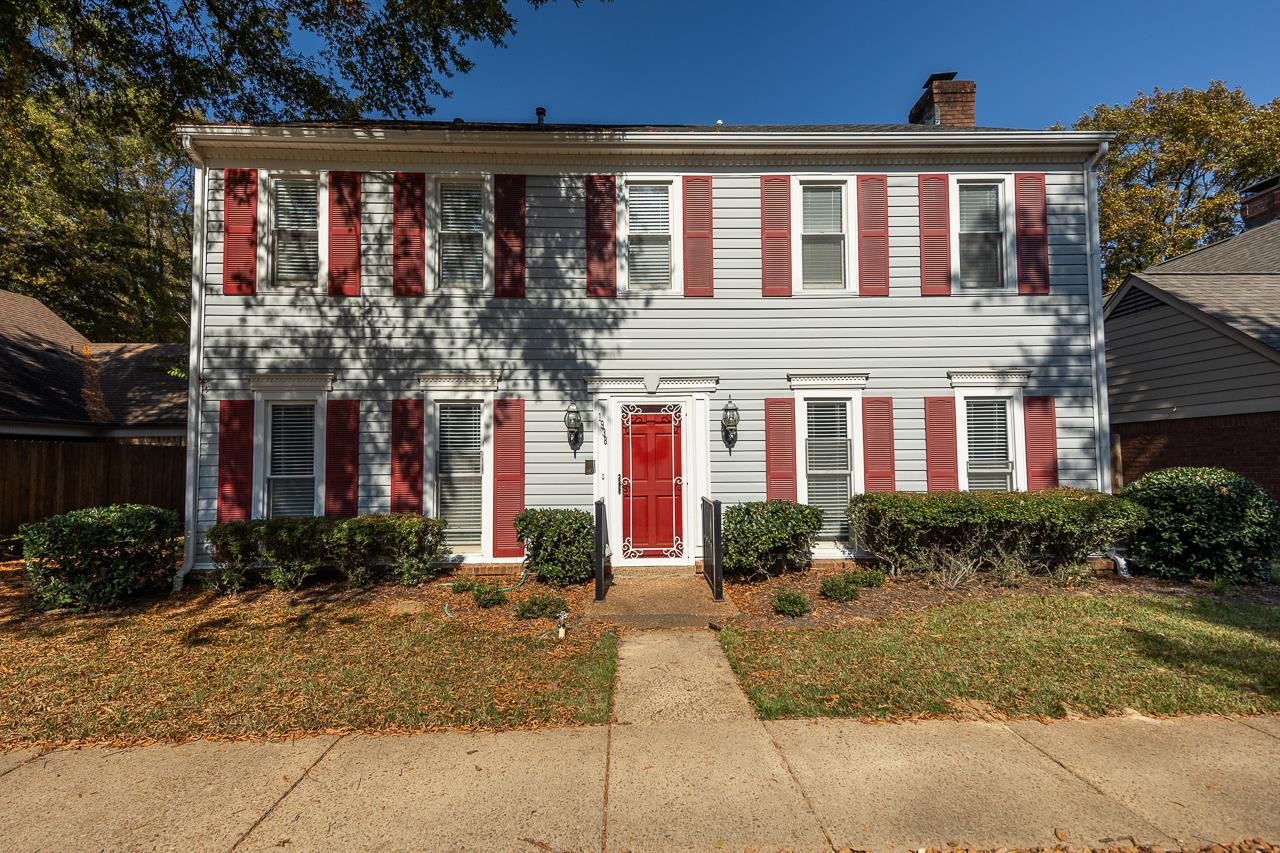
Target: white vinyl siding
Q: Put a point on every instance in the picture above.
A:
(981, 237)
(296, 233)
(828, 465)
(649, 236)
(460, 473)
(989, 454)
(291, 460)
(822, 240)
(462, 234)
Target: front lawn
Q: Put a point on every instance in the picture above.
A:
(270, 664)
(1022, 656)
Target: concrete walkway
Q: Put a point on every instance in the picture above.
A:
(684, 766)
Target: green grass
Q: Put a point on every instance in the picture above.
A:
(1025, 656)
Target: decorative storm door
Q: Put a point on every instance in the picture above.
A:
(652, 508)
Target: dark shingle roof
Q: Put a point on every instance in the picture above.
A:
(1256, 250)
(137, 386)
(511, 127)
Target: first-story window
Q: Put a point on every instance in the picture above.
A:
(649, 236)
(296, 230)
(828, 465)
(822, 237)
(981, 237)
(291, 455)
(990, 450)
(460, 473)
(462, 234)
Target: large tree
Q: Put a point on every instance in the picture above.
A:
(94, 192)
(1172, 179)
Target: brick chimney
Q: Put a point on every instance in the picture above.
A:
(946, 101)
(1261, 202)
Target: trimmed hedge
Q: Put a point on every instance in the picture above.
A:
(767, 538)
(101, 556)
(559, 544)
(367, 548)
(1204, 523)
(1044, 530)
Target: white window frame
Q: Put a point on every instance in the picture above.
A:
(269, 388)
(676, 184)
(999, 383)
(479, 388)
(846, 386)
(266, 220)
(1008, 221)
(431, 237)
(850, 212)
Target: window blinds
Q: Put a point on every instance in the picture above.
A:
(649, 236)
(827, 461)
(291, 474)
(297, 235)
(981, 240)
(822, 240)
(987, 424)
(461, 235)
(460, 463)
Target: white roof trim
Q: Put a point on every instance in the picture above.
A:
(989, 377)
(459, 381)
(695, 384)
(290, 381)
(827, 380)
(616, 383)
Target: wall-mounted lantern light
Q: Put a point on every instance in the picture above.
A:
(729, 424)
(573, 426)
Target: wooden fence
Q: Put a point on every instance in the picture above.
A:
(43, 478)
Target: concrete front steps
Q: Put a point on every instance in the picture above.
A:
(649, 597)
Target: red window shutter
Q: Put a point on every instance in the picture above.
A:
(877, 444)
(780, 448)
(1042, 442)
(409, 194)
(240, 232)
(935, 236)
(508, 231)
(235, 460)
(344, 233)
(775, 235)
(873, 235)
(698, 276)
(406, 455)
(602, 232)
(341, 457)
(508, 475)
(940, 457)
(1033, 234)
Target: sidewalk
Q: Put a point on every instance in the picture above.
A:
(684, 766)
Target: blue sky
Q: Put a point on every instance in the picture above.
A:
(747, 62)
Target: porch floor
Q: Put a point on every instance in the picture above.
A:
(660, 600)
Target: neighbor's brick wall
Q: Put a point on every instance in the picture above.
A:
(1246, 444)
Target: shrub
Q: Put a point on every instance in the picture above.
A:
(291, 549)
(99, 557)
(791, 602)
(865, 576)
(235, 555)
(971, 530)
(360, 547)
(463, 585)
(541, 606)
(559, 544)
(763, 539)
(841, 587)
(1203, 523)
(488, 596)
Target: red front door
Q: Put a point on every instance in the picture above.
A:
(652, 509)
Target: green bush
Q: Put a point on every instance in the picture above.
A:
(841, 587)
(559, 544)
(360, 548)
(1045, 530)
(488, 596)
(865, 576)
(235, 555)
(291, 550)
(463, 585)
(101, 556)
(1203, 523)
(416, 548)
(541, 606)
(791, 602)
(767, 538)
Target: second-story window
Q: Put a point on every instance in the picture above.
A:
(462, 234)
(822, 237)
(296, 231)
(981, 237)
(649, 236)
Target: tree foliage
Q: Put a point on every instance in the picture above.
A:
(1172, 179)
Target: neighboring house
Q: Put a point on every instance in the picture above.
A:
(74, 415)
(415, 317)
(1193, 355)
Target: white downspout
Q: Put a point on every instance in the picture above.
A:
(195, 361)
(1101, 410)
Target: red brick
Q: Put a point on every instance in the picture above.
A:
(1247, 444)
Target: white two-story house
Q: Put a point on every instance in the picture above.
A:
(467, 320)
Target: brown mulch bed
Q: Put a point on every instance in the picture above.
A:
(915, 593)
(1248, 846)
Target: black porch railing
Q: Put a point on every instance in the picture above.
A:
(712, 548)
(601, 556)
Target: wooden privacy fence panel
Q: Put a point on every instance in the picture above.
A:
(43, 478)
